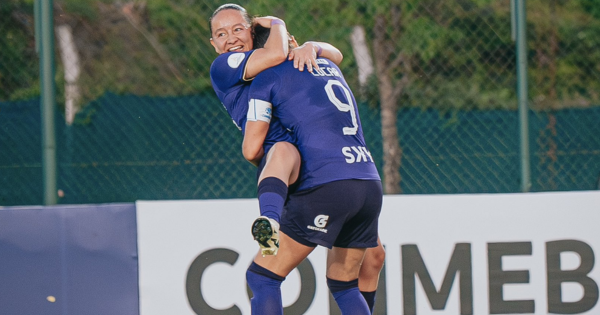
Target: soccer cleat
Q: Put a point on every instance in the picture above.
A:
(266, 232)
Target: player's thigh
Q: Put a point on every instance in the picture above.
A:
(289, 256)
(283, 162)
(343, 264)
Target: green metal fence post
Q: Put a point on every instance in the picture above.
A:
(47, 100)
(521, 11)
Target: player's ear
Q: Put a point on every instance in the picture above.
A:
(214, 46)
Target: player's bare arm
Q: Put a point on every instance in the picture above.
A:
(275, 50)
(254, 137)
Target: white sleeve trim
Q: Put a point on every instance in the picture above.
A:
(259, 110)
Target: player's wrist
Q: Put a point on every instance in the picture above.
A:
(317, 48)
(277, 22)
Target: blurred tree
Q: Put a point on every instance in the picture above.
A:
(19, 69)
(561, 33)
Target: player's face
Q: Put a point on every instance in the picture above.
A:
(231, 32)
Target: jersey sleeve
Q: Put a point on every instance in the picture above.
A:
(228, 70)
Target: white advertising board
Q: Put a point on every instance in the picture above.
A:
(445, 254)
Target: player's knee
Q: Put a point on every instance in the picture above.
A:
(380, 256)
(258, 278)
(376, 257)
(336, 286)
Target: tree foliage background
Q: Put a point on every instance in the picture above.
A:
(460, 51)
(449, 58)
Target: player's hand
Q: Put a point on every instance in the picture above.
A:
(265, 21)
(304, 55)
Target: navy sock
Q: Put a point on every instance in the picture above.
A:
(272, 193)
(348, 297)
(370, 298)
(266, 290)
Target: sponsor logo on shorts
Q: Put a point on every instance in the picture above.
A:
(320, 223)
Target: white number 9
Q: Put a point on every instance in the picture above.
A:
(349, 131)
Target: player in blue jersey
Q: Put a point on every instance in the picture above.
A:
(231, 74)
(339, 197)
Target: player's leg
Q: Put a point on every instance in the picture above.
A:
(283, 162)
(266, 273)
(368, 276)
(343, 265)
(281, 168)
(358, 231)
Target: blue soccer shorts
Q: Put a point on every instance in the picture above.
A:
(342, 213)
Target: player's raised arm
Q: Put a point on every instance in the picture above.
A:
(275, 50)
(304, 55)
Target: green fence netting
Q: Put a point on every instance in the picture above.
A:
(149, 127)
(126, 148)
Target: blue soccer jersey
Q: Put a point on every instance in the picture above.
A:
(227, 78)
(320, 111)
